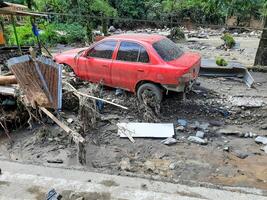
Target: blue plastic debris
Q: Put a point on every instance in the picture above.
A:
(53, 195)
(118, 92)
(99, 105)
(182, 122)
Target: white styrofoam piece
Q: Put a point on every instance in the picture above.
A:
(153, 130)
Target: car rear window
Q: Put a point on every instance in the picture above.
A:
(132, 52)
(167, 49)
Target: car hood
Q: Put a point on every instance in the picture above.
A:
(72, 52)
(186, 61)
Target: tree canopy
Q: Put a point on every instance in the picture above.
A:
(198, 10)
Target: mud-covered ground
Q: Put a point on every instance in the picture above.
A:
(231, 156)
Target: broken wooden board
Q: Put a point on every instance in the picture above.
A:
(39, 79)
(149, 130)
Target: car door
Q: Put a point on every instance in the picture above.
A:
(95, 66)
(129, 66)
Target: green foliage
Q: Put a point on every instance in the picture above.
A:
(228, 40)
(25, 35)
(177, 34)
(221, 62)
(50, 33)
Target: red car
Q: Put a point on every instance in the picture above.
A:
(135, 62)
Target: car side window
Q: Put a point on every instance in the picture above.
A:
(103, 50)
(132, 52)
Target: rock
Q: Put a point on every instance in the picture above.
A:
(70, 120)
(57, 161)
(197, 140)
(264, 149)
(111, 29)
(246, 135)
(200, 134)
(226, 149)
(169, 141)
(264, 127)
(182, 122)
(216, 123)
(180, 128)
(240, 154)
(125, 164)
(195, 125)
(204, 126)
(80, 198)
(229, 132)
(261, 139)
(172, 166)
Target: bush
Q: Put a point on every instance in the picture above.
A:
(176, 34)
(221, 62)
(25, 35)
(228, 40)
(50, 34)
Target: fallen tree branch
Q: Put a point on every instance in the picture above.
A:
(76, 136)
(92, 97)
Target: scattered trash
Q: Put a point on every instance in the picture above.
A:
(261, 139)
(53, 195)
(197, 140)
(153, 130)
(169, 141)
(70, 120)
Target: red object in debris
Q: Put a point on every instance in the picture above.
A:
(134, 61)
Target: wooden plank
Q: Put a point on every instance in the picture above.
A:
(76, 136)
(8, 80)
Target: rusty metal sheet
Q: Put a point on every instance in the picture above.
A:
(39, 79)
(233, 69)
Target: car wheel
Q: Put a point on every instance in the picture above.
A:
(149, 93)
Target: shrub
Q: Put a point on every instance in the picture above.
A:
(176, 34)
(221, 62)
(50, 34)
(228, 40)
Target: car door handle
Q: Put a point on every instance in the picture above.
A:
(140, 70)
(104, 65)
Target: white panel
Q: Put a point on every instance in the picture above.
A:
(156, 130)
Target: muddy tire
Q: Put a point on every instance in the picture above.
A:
(149, 89)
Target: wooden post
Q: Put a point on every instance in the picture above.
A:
(15, 33)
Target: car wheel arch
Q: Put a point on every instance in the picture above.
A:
(138, 84)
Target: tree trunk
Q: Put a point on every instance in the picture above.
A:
(261, 56)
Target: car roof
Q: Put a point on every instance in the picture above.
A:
(149, 38)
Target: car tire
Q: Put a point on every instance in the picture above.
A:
(157, 92)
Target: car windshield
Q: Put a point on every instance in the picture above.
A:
(167, 49)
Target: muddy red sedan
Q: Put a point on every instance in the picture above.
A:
(136, 63)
